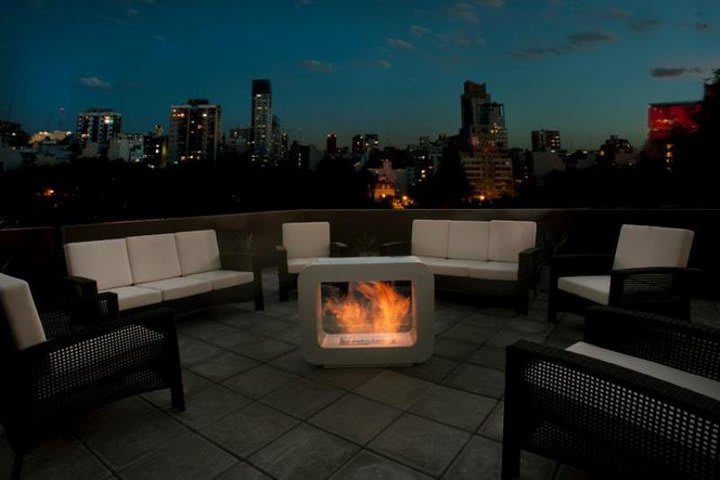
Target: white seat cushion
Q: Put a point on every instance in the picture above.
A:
(510, 237)
(197, 251)
(295, 265)
(507, 271)
(306, 239)
(593, 287)
(696, 383)
(224, 278)
(447, 266)
(468, 240)
(133, 297)
(105, 261)
(641, 246)
(179, 287)
(430, 238)
(153, 257)
(19, 309)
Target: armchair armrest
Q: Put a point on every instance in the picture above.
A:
(663, 290)
(339, 249)
(394, 248)
(691, 347)
(602, 404)
(75, 314)
(580, 264)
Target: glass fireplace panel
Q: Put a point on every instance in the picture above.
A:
(373, 314)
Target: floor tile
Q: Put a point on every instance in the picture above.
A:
(433, 370)
(469, 333)
(243, 471)
(493, 425)
(356, 418)
(249, 429)
(492, 357)
(369, 466)
(302, 398)
(394, 389)
(223, 366)
(454, 349)
(191, 383)
(209, 405)
(454, 407)
(263, 349)
(479, 460)
(59, 457)
(124, 431)
(188, 458)
(194, 351)
(421, 444)
(304, 453)
(259, 381)
(294, 362)
(345, 378)
(476, 379)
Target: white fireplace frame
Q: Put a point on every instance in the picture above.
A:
(366, 269)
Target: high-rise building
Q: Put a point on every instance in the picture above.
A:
(543, 140)
(358, 144)
(97, 125)
(128, 147)
(372, 141)
(195, 131)
(261, 118)
(331, 144)
(483, 136)
(483, 121)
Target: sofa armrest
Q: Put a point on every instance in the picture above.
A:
(77, 286)
(529, 262)
(691, 347)
(394, 248)
(339, 249)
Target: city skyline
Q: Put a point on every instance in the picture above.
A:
(589, 69)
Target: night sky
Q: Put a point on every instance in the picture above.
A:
(395, 67)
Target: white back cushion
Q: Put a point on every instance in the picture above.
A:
(430, 238)
(197, 251)
(641, 246)
(510, 237)
(468, 240)
(19, 309)
(153, 257)
(306, 239)
(105, 261)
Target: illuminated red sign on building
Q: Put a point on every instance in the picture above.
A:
(667, 118)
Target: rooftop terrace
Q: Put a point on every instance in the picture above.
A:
(256, 409)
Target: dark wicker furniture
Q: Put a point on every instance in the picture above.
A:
(91, 358)
(608, 419)
(663, 290)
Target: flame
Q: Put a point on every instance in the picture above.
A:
(369, 307)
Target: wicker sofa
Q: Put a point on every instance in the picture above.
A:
(182, 268)
(639, 398)
(57, 362)
(483, 257)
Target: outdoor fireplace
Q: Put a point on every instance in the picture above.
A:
(366, 311)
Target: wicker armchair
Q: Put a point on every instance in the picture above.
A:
(303, 242)
(640, 399)
(61, 361)
(648, 272)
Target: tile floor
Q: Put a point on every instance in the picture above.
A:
(256, 410)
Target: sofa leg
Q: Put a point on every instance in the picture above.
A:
(510, 462)
(177, 396)
(17, 466)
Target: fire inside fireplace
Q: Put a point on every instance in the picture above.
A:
(366, 311)
(367, 314)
